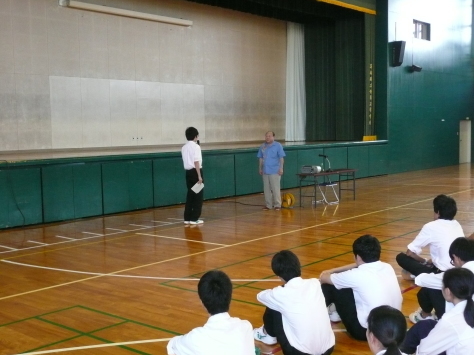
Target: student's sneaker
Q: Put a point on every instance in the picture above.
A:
(199, 221)
(407, 276)
(260, 335)
(333, 315)
(415, 317)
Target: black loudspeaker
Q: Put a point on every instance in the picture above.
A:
(414, 68)
(397, 51)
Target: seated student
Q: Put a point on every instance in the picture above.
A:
(358, 288)
(438, 235)
(454, 333)
(386, 329)
(221, 334)
(430, 296)
(296, 315)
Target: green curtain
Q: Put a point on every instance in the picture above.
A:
(335, 79)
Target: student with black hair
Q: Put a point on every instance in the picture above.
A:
(222, 334)
(386, 329)
(430, 295)
(438, 236)
(352, 291)
(192, 161)
(296, 316)
(454, 333)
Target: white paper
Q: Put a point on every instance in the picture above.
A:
(197, 187)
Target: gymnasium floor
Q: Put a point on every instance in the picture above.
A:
(132, 277)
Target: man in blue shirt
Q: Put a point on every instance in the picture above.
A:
(270, 166)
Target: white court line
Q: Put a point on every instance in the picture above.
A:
(163, 222)
(96, 234)
(35, 242)
(60, 236)
(183, 239)
(3, 246)
(131, 276)
(140, 225)
(96, 346)
(115, 229)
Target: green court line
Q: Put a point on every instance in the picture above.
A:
(130, 320)
(52, 344)
(36, 317)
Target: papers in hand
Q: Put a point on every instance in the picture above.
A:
(197, 187)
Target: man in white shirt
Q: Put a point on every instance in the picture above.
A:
(192, 161)
(356, 289)
(296, 315)
(222, 334)
(430, 296)
(438, 235)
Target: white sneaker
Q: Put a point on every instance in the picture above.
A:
(333, 315)
(415, 317)
(187, 222)
(407, 276)
(199, 221)
(260, 335)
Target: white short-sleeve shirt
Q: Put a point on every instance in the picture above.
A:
(191, 152)
(374, 284)
(304, 314)
(438, 235)
(451, 334)
(222, 334)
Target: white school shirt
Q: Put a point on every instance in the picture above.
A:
(304, 314)
(451, 334)
(222, 334)
(435, 281)
(374, 284)
(438, 235)
(191, 152)
(384, 351)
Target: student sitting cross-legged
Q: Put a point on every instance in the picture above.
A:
(352, 291)
(430, 295)
(296, 315)
(222, 334)
(454, 333)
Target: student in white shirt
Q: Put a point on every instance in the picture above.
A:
(296, 315)
(357, 288)
(386, 329)
(454, 333)
(430, 296)
(222, 334)
(192, 162)
(438, 235)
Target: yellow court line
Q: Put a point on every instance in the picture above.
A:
(228, 246)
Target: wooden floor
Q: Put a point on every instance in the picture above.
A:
(132, 277)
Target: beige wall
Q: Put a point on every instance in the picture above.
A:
(77, 79)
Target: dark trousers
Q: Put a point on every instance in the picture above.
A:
(415, 334)
(429, 298)
(415, 267)
(344, 301)
(273, 323)
(193, 207)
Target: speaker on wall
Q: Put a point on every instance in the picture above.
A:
(414, 68)
(397, 51)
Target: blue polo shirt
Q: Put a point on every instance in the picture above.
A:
(271, 154)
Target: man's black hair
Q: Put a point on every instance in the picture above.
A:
(367, 247)
(215, 291)
(286, 265)
(445, 206)
(463, 248)
(191, 133)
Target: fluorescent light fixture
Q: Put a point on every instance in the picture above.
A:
(122, 12)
